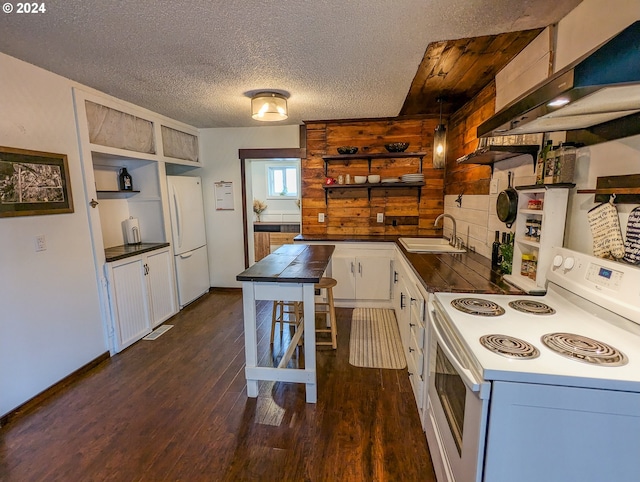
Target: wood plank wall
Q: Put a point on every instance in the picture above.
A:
(462, 140)
(350, 212)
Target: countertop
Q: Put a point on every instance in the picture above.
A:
(291, 263)
(127, 250)
(450, 273)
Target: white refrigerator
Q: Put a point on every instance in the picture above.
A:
(189, 239)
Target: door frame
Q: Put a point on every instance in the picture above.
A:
(261, 154)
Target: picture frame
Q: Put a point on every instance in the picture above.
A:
(33, 183)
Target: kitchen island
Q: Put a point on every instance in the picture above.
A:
(287, 274)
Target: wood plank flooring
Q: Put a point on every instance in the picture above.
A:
(176, 409)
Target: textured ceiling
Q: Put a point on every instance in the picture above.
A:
(195, 60)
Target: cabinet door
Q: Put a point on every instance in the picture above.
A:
(161, 286)
(261, 245)
(403, 315)
(343, 271)
(373, 278)
(131, 310)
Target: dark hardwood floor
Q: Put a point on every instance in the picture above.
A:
(176, 409)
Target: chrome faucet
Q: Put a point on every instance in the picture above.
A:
(452, 241)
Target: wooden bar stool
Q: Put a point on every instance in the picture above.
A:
(289, 312)
(328, 310)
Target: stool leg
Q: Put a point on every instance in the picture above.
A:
(274, 317)
(299, 311)
(334, 322)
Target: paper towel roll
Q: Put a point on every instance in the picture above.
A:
(132, 230)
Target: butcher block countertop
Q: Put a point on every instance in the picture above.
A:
(291, 263)
(451, 273)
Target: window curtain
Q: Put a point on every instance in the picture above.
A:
(179, 145)
(112, 128)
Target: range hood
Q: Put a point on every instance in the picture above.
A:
(601, 86)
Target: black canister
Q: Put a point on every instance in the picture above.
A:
(126, 182)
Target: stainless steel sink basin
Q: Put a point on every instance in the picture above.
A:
(429, 245)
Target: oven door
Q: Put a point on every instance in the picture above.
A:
(458, 404)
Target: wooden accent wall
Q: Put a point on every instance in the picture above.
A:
(462, 140)
(350, 212)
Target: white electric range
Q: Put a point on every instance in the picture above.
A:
(539, 387)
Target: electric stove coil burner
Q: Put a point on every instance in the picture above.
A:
(477, 306)
(532, 307)
(509, 347)
(586, 350)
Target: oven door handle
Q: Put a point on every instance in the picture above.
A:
(476, 386)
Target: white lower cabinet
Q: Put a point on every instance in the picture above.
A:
(362, 276)
(141, 295)
(410, 307)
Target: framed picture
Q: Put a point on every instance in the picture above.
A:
(33, 183)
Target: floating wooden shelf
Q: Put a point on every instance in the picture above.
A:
(347, 158)
(531, 187)
(369, 186)
(489, 155)
(625, 188)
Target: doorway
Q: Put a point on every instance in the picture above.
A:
(254, 168)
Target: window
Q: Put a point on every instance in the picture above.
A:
(282, 181)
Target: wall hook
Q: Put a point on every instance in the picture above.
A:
(459, 199)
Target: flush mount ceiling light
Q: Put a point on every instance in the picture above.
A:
(439, 143)
(269, 106)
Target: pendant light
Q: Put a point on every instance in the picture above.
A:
(269, 106)
(440, 142)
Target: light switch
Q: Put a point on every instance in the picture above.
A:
(321, 217)
(493, 186)
(41, 243)
(380, 217)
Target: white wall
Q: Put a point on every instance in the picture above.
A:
(219, 154)
(476, 217)
(50, 322)
(589, 24)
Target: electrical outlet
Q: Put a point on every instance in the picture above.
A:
(380, 217)
(493, 186)
(41, 243)
(321, 217)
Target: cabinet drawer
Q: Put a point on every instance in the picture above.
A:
(281, 238)
(417, 332)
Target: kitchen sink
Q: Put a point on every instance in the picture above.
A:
(429, 245)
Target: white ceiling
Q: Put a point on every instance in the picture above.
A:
(195, 60)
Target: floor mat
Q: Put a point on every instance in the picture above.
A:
(375, 339)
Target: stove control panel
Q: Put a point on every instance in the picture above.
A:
(607, 277)
(610, 284)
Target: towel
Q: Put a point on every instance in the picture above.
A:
(605, 228)
(632, 239)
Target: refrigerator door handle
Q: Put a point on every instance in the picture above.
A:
(176, 203)
(186, 255)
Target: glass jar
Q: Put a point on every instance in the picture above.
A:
(565, 165)
(525, 265)
(550, 165)
(533, 266)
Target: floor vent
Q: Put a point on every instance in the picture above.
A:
(158, 332)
